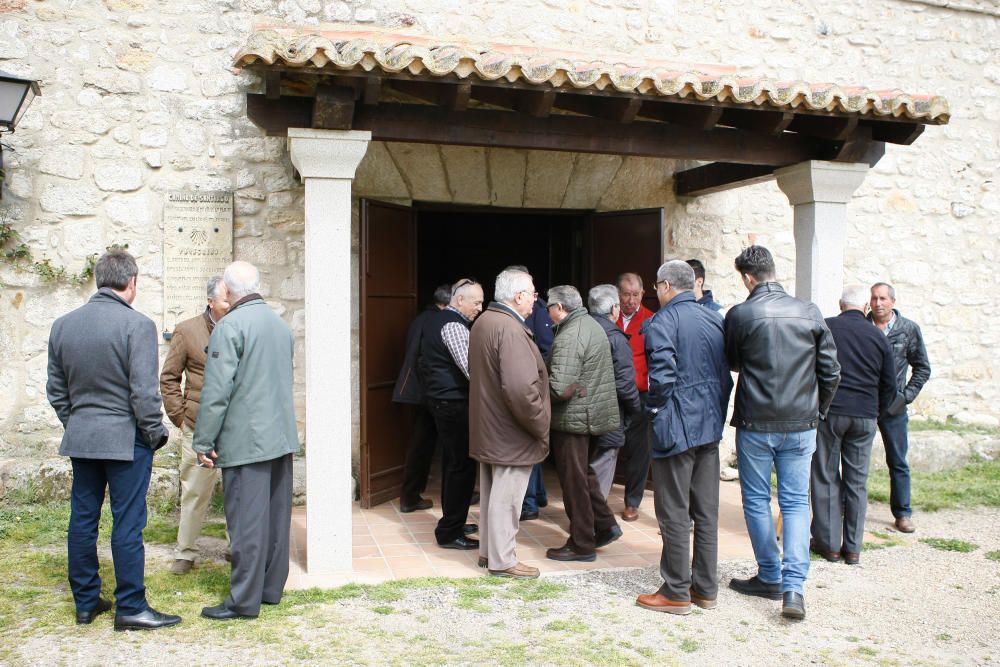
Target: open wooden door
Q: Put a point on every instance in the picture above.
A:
(388, 304)
(627, 241)
(623, 241)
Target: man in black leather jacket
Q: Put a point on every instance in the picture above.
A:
(787, 362)
(908, 349)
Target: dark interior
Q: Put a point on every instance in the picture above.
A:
(450, 248)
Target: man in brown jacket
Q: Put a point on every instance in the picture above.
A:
(509, 415)
(188, 352)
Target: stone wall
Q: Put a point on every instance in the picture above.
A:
(138, 99)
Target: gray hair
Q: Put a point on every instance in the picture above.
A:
(567, 296)
(602, 299)
(628, 276)
(114, 269)
(679, 274)
(509, 283)
(212, 287)
(892, 290)
(855, 295)
(242, 279)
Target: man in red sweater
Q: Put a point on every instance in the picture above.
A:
(635, 454)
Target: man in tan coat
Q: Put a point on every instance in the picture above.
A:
(186, 359)
(509, 415)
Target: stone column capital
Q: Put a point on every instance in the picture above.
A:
(819, 181)
(327, 153)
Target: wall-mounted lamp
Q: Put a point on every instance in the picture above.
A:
(16, 95)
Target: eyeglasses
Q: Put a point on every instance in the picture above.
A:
(462, 283)
(658, 282)
(533, 295)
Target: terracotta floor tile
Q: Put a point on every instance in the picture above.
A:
(413, 573)
(359, 540)
(402, 539)
(424, 537)
(457, 571)
(388, 529)
(547, 565)
(625, 560)
(372, 565)
(370, 551)
(399, 550)
(408, 562)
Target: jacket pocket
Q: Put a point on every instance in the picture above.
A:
(898, 405)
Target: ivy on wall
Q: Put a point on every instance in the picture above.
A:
(15, 252)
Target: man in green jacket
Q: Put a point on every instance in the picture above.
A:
(584, 404)
(246, 426)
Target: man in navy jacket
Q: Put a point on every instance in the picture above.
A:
(689, 387)
(844, 439)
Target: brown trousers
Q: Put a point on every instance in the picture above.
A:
(586, 506)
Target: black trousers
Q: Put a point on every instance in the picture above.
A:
(839, 484)
(635, 455)
(458, 471)
(258, 503)
(418, 456)
(586, 506)
(685, 489)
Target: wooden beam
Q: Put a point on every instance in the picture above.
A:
(535, 103)
(272, 85)
(768, 122)
(372, 90)
(276, 116)
(457, 96)
(837, 128)
(420, 124)
(333, 108)
(695, 116)
(719, 176)
(896, 133)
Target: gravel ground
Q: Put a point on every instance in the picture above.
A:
(907, 604)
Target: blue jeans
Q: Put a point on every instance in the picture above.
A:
(791, 455)
(127, 482)
(896, 441)
(536, 492)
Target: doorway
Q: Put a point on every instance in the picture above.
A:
(407, 251)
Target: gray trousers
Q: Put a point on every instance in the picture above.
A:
(258, 502)
(602, 462)
(686, 488)
(501, 492)
(839, 484)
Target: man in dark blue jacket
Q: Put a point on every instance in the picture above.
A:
(689, 387)
(409, 389)
(844, 439)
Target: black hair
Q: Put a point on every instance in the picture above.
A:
(757, 262)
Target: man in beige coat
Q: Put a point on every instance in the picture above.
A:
(186, 360)
(509, 415)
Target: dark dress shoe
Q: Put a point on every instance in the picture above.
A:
(630, 514)
(147, 620)
(528, 516)
(851, 557)
(754, 586)
(817, 548)
(604, 539)
(568, 553)
(462, 543)
(793, 605)
(87, 617)
(542, 504)
(470, 528)
(221, 612)
(421, 504)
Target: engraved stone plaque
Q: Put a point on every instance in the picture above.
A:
(197, 244)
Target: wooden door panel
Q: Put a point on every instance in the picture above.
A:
(388, 303)
(623, 241)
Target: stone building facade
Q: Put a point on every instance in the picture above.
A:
(139, 98)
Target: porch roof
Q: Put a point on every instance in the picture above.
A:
(336, 49)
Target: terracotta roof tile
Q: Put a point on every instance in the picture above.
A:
(391, 52)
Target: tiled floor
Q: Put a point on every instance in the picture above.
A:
(390, 545)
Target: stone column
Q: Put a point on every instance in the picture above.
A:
(819, 191)
(327, 160)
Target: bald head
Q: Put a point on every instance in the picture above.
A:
(241, 278)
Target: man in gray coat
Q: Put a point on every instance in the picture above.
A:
(102, 383)
(246, 426)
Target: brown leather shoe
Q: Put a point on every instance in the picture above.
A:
(658, 602)
(630, 514)
(904, 524)
(519, 571)
(703, 602)
(181, 566)
(817, 548)
(850, 557)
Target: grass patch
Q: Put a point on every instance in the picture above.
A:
(689, 645)
(975, 485)
(953, 425)
(945, 544)
(572, 625)
(383, 609)
(867, 651)
(992, 555)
